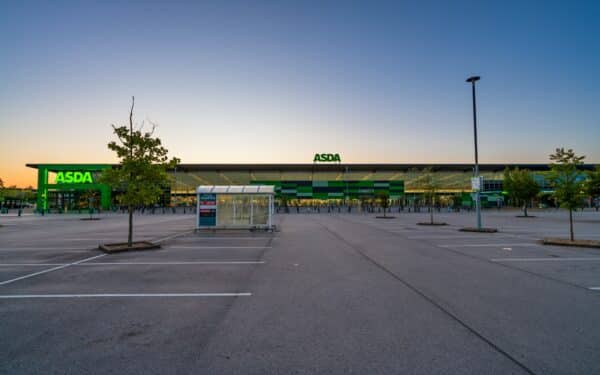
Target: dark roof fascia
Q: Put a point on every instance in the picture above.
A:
(333, 167)
(362, 167)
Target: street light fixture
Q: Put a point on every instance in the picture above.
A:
(472, 81)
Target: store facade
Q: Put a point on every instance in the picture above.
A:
(71, 187)
(65, 187)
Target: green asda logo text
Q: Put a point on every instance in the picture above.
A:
(327, 158)
(74, 178)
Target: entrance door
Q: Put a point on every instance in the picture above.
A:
(73, 200)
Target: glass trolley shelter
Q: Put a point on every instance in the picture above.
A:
(235, 207)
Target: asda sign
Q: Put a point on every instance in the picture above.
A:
(73, 178)
(327, 158)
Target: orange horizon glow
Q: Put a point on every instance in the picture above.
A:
(225, 83)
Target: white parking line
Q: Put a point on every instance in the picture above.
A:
(50, 270)
(491, 244)
(67, 251)
(578, 259)
(233, 238)
(67, 239)
(171, 263)
(131, 263)
(174, 235)
(104, 239)
(444, 237)
(218, 247)
(594, 288)
(121, 295)
(44, 248)
(32, 264)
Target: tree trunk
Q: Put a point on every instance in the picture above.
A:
(571, 224)
(130, 232)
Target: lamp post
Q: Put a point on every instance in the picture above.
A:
(472, 80)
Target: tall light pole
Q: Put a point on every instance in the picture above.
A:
(472, 80)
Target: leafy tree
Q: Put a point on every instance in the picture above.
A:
(592, 185)
(1, 190)
(520, 186)
(428, 182)
(142, 171)
(383, 198)
(567, 181)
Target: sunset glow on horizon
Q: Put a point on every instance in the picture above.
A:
(274, 83)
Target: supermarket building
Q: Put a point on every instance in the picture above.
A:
(63, 186)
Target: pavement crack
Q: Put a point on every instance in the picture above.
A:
(427, 298)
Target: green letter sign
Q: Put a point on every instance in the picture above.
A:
(327, 158)
(73, 177)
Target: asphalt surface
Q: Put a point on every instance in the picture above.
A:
(327, 294)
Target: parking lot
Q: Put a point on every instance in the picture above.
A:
(327, 293)
(68, 307)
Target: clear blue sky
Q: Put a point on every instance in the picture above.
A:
(278, 81)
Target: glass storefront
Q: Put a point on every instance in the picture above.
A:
(72, 200)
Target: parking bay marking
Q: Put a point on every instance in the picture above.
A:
(219, 247)
(449, 237)
(50, 270)
(233, 238)
(491, 245)
(578, 259)
(233, 262)
(80, 248)
(121, 295)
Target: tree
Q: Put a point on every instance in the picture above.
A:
(383, 198)
(142, 171)
(428, 182)
(567, 181)
(592, 185)
(520, 186)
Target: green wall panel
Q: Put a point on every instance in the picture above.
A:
(334, 189)
(44, 185)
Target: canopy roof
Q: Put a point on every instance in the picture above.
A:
(330, 167)
(235, 189)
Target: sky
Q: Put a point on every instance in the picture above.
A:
(278, 81)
